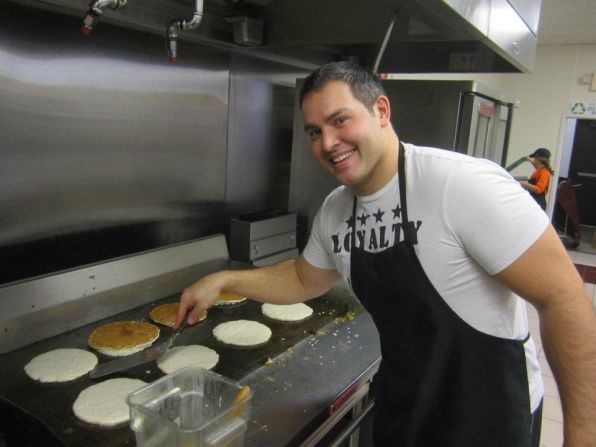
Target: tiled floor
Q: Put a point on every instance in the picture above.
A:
(552, 418)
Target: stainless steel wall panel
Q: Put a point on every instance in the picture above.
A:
(260, 134)
(101, 133)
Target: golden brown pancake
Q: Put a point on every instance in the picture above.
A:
(123, 337)
(225, 299)
(167, 314)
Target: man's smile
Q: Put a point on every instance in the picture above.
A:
(343, 156)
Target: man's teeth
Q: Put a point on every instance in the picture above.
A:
(342, 157)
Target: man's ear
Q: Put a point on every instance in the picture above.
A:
(383, 110)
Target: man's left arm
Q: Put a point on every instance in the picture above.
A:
(545, 276)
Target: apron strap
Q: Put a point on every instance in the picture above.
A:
(353, 236)
(408, 227)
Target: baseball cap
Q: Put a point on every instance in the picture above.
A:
(540, 153)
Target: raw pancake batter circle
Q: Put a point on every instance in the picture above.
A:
(105, 403)
(123, 337)
(183, 356)
(242, 333)
(61, 365)
(287, 312)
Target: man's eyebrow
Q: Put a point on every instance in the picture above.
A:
(337, 112)
(329, 117)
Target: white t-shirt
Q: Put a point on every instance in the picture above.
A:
(473, 220)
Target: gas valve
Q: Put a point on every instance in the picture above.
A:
(95, 12)
(182, 25)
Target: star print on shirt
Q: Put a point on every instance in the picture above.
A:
(350, 222)
(397, 211)
(379, 215)
(363, 218)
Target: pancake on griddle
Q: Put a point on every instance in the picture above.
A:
(104, 403)
(61, 365)
(287, 312)
(242, 333)
(184, 356)
(227, 299)
(123, 337)
(167, 314)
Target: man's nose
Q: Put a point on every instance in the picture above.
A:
(329, 140)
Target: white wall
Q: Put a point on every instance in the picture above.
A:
(545, 97)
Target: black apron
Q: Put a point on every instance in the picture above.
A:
(441, 383)
(539, 198)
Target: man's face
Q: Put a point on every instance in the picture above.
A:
(346, 138)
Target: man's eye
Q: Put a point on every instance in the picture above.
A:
(314, 133)
(341, 120)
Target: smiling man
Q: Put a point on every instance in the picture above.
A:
(440, 248)
(351, 141)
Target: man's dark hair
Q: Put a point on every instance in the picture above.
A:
(365, 87)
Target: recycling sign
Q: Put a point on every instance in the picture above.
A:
(583, 108)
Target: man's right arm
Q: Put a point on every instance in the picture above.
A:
(286, 282)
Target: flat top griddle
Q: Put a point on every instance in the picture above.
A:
(51, 404)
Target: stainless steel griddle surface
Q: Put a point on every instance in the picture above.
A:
(51, 404)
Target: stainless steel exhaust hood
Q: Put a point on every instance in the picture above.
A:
(429, 36)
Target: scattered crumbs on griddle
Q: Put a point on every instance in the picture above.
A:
(349, 316)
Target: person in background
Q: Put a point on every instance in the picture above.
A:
(539, 181)
(430, 242)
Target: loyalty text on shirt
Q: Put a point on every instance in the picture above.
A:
(375, 235)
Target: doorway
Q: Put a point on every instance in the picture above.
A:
(578, 165)
(582, 170)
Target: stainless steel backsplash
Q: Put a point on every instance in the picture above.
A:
(106, 149)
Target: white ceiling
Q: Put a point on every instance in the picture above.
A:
(567, 22)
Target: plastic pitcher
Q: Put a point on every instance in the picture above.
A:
(193, 407)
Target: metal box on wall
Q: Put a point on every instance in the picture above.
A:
(263, 238)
